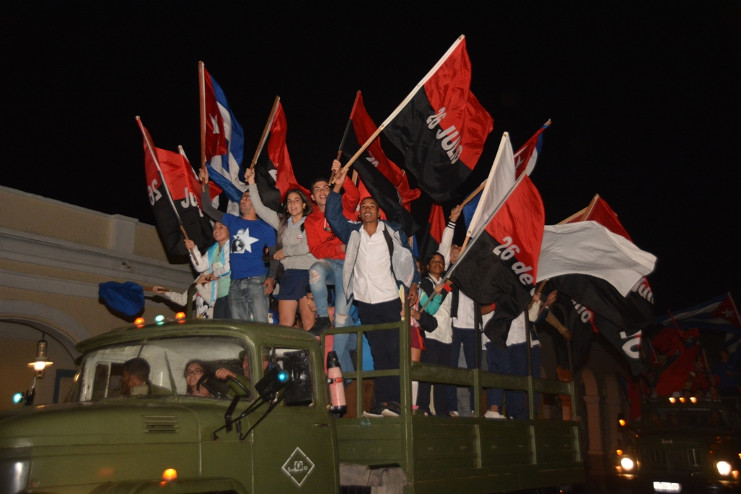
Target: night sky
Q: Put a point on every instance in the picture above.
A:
(644, 98)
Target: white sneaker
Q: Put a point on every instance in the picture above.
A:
(490, 414)
(453, 414)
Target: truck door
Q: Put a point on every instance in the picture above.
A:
(293, 446)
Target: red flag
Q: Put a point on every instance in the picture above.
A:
(437, 222)
(274, 168)
(441, 127)
(676, 374)
(602, 213)
(433, 234)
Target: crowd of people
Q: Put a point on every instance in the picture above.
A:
(332, 261)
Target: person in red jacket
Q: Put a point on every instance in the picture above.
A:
(330, 252)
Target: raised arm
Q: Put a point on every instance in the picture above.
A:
(206, 205)
(265, 213)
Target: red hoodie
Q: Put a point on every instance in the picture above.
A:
(323, 243)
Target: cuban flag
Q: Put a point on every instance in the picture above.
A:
(224, 139)
(719, 313)
(527, 155)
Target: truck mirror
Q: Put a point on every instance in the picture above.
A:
(273, 381)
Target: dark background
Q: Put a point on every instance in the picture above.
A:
(643, 97)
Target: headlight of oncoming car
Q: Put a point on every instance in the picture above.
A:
(723, 468)
(14, 475)
(627, 463)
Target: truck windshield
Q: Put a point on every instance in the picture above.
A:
(669, 418)
(167, 366)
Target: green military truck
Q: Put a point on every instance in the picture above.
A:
(270, 430)
(681, 445)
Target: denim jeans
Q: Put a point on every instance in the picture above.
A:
(247, 299)
(467, 338)
(326, 272)
(498, 361)
(329, 272)
(518, 357)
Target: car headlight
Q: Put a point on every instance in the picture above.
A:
(627, 463)
(14, 475)
(723, 467)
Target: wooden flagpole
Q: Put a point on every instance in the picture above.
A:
(202, 105)
(404, 102)
(265, 131)
(486, 184)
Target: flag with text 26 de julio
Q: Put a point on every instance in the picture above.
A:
(170, 184)
(500, 263)
(442, 128)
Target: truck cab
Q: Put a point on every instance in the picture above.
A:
(682, 445)
(113, 439)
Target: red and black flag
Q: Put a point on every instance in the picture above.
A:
(499, 266)
(434, 231)
(173, 193)
(382, 178)
(274, 172)
(619, 317)
(441, 127)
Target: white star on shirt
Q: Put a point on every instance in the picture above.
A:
(245, 237)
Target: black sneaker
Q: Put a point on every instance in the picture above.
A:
(320, 326)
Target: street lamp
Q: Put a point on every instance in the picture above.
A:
(41, 362)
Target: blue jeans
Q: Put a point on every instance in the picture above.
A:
(326, 272)
(329, 272)
(518, 357)
(467, 338)
(247, 299)
(498, 362)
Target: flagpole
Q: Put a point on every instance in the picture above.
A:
(473, 194)
(265, 131)
(347, 125)
(404, 102)
(578, 214)
(590, 207)
(496, 210)
(487, 186)
(150, 147)
(202, 105)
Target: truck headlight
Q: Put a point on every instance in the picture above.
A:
(723, 467)
(627, 463)
(14, 475)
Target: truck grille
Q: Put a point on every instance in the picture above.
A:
(160, 423)
(671, 459)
